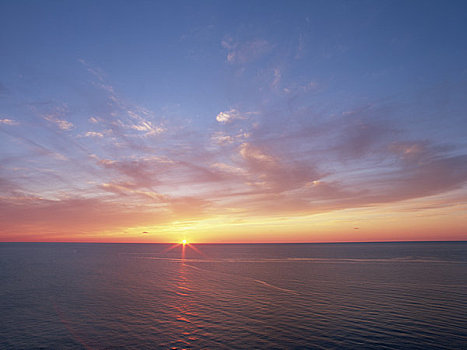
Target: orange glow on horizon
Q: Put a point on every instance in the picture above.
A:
(402, 221)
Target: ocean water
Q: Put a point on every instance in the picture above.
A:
(245, 296)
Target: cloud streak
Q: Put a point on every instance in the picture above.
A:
(6, 121)
(244, 52)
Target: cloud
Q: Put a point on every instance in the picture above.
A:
(254, 156)
(407, 150)
(307, 162)
(61, 123)
(296, 90)
(10, 122)
(140, 115)
(229, 116)
(129, 123)
(36, 148)
(243, 52)
(139, 120)
(277, 77)
(410, 152)
(93, 134)
(272, 173)
(179, 207)
(222, 139)
(433, 178)
(229, 169)
(8, 186)
(127, 189)
(143, 173)
(429, 177)
(95, 71)
(362, 134)
(148, 128)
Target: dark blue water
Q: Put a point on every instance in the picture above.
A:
(276, 296)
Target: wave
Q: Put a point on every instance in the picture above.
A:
(317, 260)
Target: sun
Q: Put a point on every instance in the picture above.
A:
(184, 241)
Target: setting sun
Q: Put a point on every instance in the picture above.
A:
(184, 242)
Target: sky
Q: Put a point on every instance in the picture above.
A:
(233, 121)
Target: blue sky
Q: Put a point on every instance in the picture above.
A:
(165, 112)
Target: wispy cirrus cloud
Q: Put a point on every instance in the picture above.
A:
(241, 52)
(6, 121)
(123, 118)
(273, 173)
(128, 189)
(57, 117)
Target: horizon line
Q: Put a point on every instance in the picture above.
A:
(232, 243)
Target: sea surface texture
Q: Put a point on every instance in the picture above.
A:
(265, 296)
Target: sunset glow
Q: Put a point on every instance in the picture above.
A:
(232, 122)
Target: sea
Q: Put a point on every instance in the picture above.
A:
(233, 296)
